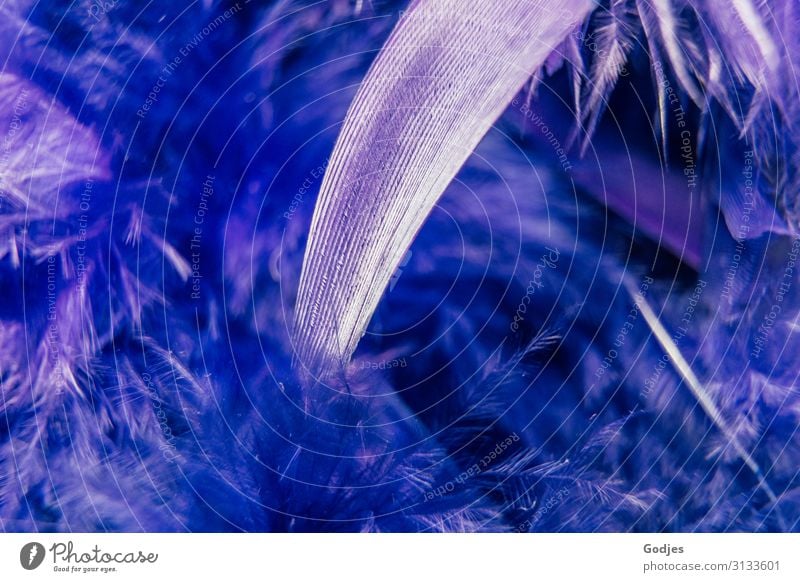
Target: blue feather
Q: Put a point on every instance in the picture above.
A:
(152, 243)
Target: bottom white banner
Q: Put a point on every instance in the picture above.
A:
(382, 557)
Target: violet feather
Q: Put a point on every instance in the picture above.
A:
(559, 338)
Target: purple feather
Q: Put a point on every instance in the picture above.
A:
(569, 246)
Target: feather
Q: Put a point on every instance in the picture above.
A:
(129, 401)
(44, 151)
(695, 386)
(435, 89)
(753, 23)
(613, 37)
(668, 33)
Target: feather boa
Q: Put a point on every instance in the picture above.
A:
(552, 296)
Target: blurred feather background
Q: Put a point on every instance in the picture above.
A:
(580, 290)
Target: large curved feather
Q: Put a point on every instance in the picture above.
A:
(447, 72)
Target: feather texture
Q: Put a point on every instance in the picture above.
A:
(509, 380)
(613, 37)
(693, 383)
(439, 83)
(366, 218)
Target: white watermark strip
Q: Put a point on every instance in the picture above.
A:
(387, 557)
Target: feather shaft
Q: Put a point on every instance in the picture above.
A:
(692, 382)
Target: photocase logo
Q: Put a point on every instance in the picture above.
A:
(31, 555)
